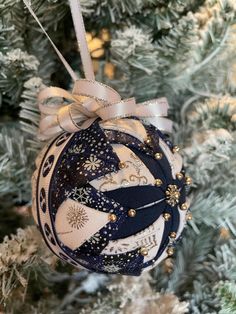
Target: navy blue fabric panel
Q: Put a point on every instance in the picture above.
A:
(153, 131)
(115, 137)
(154, 134)
(143, 219)
(180, 183)
(134, 267)
(182, 198)
(153, 140)
(167, 230)
(175, 219)
(81, 161)
(136, 196)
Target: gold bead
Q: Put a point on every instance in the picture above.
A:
(148, 140)
(188, 180)
(112, 217)
(158, 182)
(122, 165)
(184, 206)
(166, 216)
(179, 176)
(189, 216)
(173, 235)
(132, 213)
(170, 251)
(143, 251)
(158, 156)
(175, 149)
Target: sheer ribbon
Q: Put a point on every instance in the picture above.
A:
(89, 99)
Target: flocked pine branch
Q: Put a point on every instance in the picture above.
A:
(193, 247)
(136, 59)
(14, 164)
(17, 66)
(29, 114)
(20, 257)
(227, 293)
(132, 295)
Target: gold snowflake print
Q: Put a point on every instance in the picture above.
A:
(172, 195)
(76, 217)
(92, 163)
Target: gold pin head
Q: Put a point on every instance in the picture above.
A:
(148, 140)
(122, 165)
(188, 180)
(170, 251)
(132, 213)
(166, 216)
(158, 156)
(175, 149)
(173, 235)
(143, 251)
(112, 217)
(179, 176)
(189, 216)
(184, 206)
(158, 182)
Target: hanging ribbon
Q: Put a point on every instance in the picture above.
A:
(90, 99)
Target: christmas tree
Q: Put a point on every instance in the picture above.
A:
(184, 50)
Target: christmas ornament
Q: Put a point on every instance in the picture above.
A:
(109, 188)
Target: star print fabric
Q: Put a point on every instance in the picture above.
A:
(87, 156)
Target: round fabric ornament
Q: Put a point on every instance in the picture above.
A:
(109, 188)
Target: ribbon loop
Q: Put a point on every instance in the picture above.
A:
(96, 90)
(65, 120)
(156, 107)
(119, 110)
